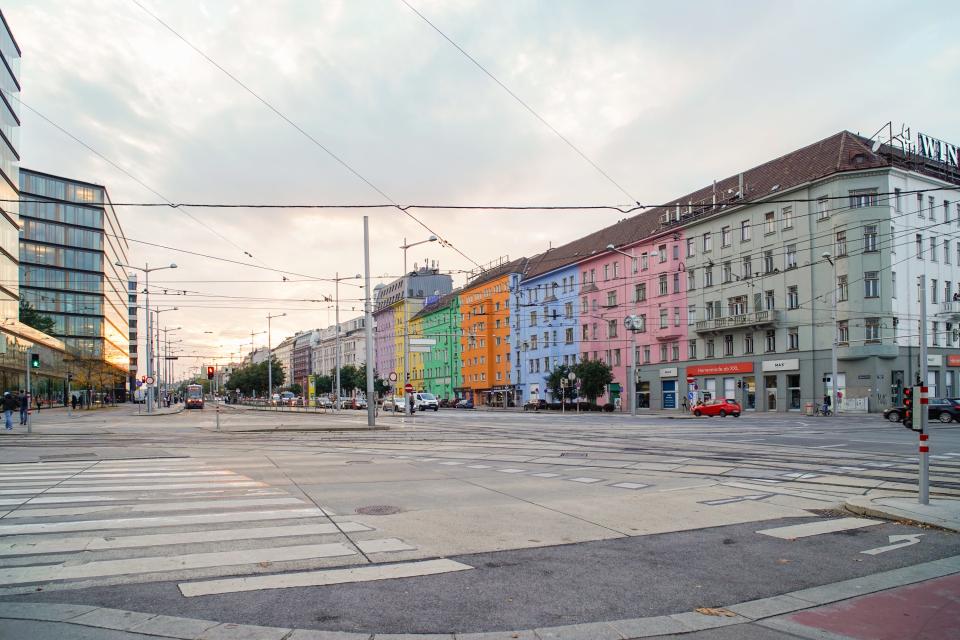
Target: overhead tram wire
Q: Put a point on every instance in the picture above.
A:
(122, 170)
(303, 132)
(523, 103)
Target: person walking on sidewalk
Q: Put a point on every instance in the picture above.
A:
(9, 404)
(24, 405)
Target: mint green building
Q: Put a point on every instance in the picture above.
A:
(440, 320)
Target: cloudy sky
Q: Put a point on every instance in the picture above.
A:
(664, 97)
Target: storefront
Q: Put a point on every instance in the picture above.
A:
(668, 388)
(717, 381)
(781, 381)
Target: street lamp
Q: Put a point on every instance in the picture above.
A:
(336, 354)
(632, 373)
(270, 352)
(146, 271)
(834, 383)
(406, 333)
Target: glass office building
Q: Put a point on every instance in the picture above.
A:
(9, 170)
(69, 243)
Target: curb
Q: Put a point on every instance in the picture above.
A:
(157, 415)
(742, 613)
(866, 507)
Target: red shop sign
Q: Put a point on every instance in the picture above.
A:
(718, 369)
(953, 360)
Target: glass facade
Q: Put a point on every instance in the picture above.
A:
(9, 171)
(69, 243)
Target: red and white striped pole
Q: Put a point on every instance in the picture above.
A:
(924, 449)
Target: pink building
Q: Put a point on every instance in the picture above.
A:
(650, 283)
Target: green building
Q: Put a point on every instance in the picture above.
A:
(440, 319)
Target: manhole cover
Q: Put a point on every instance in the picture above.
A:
(378, 510)
(570, 454)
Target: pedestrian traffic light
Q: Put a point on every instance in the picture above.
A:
(34, 360)
(210, 372)
(907, 407)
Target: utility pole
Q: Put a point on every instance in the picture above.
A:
(921, 402)
(834, 382)
(27, 396)
(368, 326)
(270, 352)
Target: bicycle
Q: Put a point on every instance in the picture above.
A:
(822, 410)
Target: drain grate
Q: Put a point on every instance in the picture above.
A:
(830, 513)
(378, 510)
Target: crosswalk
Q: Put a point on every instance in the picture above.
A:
(77, 524)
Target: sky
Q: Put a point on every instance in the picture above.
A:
(663, 97)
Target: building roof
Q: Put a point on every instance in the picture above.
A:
(442, 303)
(843, 151)
(512, 266)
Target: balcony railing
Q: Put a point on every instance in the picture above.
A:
(744, 320)
(951, 308)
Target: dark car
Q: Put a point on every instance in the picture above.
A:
(535, 405)
(941, 409)
(464, 404)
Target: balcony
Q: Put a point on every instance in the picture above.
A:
(743, 321)
(949, 310)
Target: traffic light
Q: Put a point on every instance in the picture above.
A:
(908, 407)
(34, 360)
(210, 372)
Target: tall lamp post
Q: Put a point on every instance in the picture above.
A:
(834, 383)
(270, 352)
(406, 332)
(146, 271)
(632, 373)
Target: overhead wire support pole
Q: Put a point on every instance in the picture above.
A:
(270, 353)
(368, 326)
(923, 496)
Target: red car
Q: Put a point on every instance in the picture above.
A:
(720, 408)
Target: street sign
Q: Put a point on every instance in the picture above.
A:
(408, 388)
(420, 349)
(392, 377)
(423, 342)
(149, 380)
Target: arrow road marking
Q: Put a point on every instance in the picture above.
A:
(897, 542)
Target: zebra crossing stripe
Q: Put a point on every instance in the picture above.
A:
(144, 487)
(223, 503)
(819, 527)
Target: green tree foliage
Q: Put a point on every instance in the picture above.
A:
(594, 376)
(323, 384)
(252, 379)
(296, 389)
(33, 318)
(556, 380)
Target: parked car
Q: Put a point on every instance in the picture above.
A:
(464, 404)
(325, 402)
(941, 409)
(894, 414)
(721, 408)
(286, 397)
(397, 404)
(423, 401)
(535, 405)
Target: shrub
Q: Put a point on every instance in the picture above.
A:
(608, 408)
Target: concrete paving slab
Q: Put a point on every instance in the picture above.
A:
(941, 512)
(43, 611)
(588, 631)
(174, 627)
(243, 632)
(768, 607)
(499, 635)
(698, 621)
(112, 619)
(312, 634)
(648, 627)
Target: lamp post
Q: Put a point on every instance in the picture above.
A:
(834, 383)
(146, 271)
(253, 344)
(632, 369)
(270, 352)
(161, 374)
(166, 360)
(406, 333)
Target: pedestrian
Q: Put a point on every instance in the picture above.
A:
(9, 404)
(73, 401)
(24, 405)
(38, 404)
(685, 407)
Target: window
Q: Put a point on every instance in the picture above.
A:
(843, 332)
(728, 345)
(737, 306)
(871, 284)
(585, 333)
(823, 208)
(768, 261)
(533, 343)
(872, 326)
(611, 298)
(933, 290)
(787, 217)
(646, 355)
(727, 271)
(770, 222)
(634, 264)
(791, 262)
(745, 231)
(840, 248)
(870, 238)
(842, 288)
(584, 304)
(725, 237)
(946, 251)
(691, 247)
(643, 323)
(936, 334)
(616, 270)
(676, 316)
(568, 310)
(674, 351)
(616, 357)
(748, 343)
(676, 283)
(533, 318)
(896, 199)
(710, 349)
(919, 243)
(663, 318)
(691, 314)
(707, 242)
(947, 290)
(662, 252)
(692, 279)
(691, 349)
(640, 292)
(771, 341)
(793, 298)
(933, 248)
(663, 353)
(863, 198)
(708, 277)
(769, 300)
(606, 272)
(793, 339)
(932, 207)
(747, 267)
(644, 262)
(611, 328)
(662, 281)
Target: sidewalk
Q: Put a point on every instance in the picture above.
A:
(941, 512)
(157, 411)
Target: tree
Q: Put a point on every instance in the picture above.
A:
(33, 318)
(322, 384)
(594, 377)
(296, 389)
(252, 379)
(559, 384)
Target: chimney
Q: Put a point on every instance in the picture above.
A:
(741, 193)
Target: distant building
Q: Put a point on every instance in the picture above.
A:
(439, 370)
(302, 357)
(283, 353)
(352, 347)
(132, 321)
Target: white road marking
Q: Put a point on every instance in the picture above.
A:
(451, 464)
(384, 545)
(478, 466)
(585, 480)
(896, 542)
(629, 485)
(816, 528)
(46, 573)
(157, 507)
(145, 487)
(159, 521)
(511, 470)
(800, 476)
(322, 578)
(66, 545)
